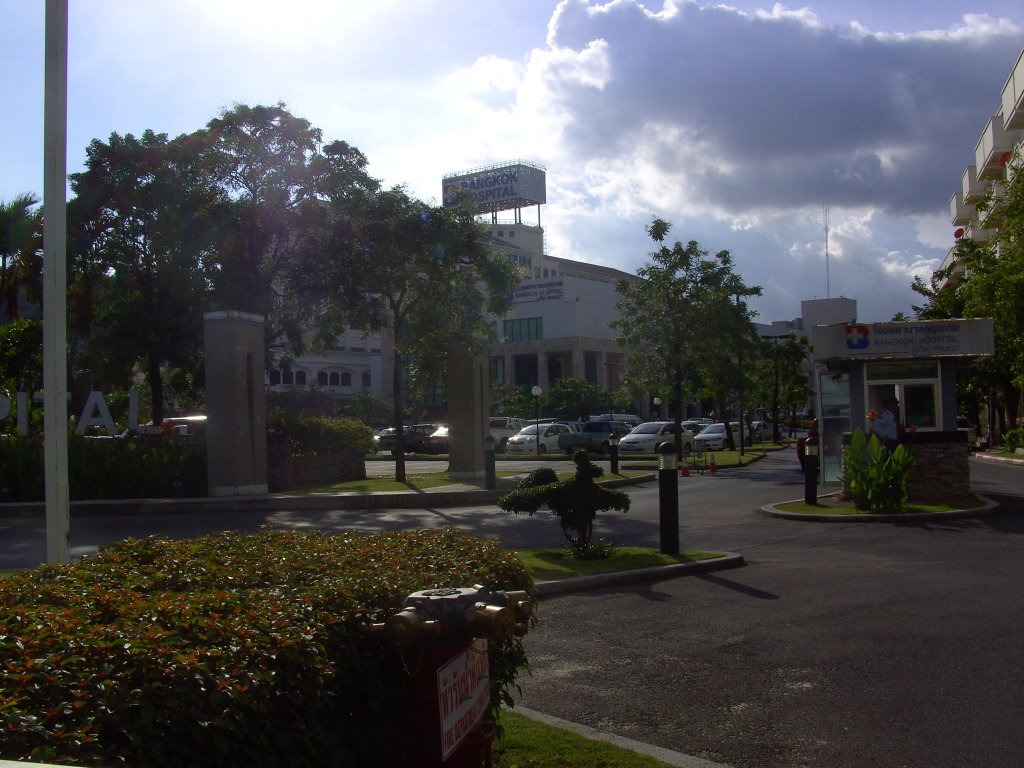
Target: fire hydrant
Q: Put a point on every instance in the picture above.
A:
(444, 635)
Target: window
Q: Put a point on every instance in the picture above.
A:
(287, 378)
(275, 377)
(366, 379)
(526, 329)
(300, 378)
(321, 378)
(335, 379)
(346, 379)
(914, 383)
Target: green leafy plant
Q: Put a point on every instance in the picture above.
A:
(319, 435)
(575, 502)
(229, 650)
(1013, 439)
(876, 478)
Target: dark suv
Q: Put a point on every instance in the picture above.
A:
(414, 439)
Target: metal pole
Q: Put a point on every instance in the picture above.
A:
(491, 477)
(613, 453)
(668, 500)
(811, 470)
(55, 363)
(536, 424)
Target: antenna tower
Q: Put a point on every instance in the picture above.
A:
(828, 288)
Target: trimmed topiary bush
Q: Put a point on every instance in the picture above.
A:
(227, 650)
(319, 435)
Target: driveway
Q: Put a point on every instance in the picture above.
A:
(840, 645)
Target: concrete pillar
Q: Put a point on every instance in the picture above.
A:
(236, 426)
(468, 411)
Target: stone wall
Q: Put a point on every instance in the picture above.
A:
(941, 472)
(287, 473)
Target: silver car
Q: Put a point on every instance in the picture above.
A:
(651, 435)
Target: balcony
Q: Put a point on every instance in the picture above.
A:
(949, 261)
(1013, 97)
(994, 150)
(995, 214)
(978, 234)
(962, 214)
(973, 190)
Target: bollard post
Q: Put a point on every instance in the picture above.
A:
(613, 453)
(668, 499)
(811, 470)
(490, 476)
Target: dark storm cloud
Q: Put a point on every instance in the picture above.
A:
(769, 113)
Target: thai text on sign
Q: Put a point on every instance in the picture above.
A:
(463, 695)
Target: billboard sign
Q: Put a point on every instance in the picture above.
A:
(927, 338)
(497, 187)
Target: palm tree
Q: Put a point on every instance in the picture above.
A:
(20, 242)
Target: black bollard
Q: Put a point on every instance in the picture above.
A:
(490, 476)
(668, 499)
(613, 454)
(811, 470)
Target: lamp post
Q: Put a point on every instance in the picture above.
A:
(657, 405)
(536, 392)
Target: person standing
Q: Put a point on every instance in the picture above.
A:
(887, 424)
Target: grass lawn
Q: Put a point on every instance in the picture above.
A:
(834, 505)
(529, 744)
(552, 564)
(426, 481)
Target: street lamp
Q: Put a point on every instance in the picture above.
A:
(536, 392)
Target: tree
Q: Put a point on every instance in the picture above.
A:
(143, 219)
(576, 398)
(21, 357)
(420, 273)
(21, 243)
(987, 280)
(683, 323)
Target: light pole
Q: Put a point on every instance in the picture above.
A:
(657, 406)
(536, 392)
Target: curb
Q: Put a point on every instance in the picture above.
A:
(999, 459)
(311, 502)
(657, 573)
(771, 510)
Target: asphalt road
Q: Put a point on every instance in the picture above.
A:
(838, 645)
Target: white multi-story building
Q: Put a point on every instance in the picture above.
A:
(1000, 141)
(559, 323)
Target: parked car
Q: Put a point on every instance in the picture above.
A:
(414, 437)
(388, 432)
(436, 442)
(629, 419)
(713, 438)
(504, 427)
(651, 435)
(963, 424)
(759, 431)
(526, 441)
(593, 437)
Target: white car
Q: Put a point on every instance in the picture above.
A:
(526, 441)
(712, 438)
(651, 435)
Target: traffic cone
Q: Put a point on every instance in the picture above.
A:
(684, 471)
(712, 466)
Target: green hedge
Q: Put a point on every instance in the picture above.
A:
(228, 650)
(105, 468)
(319, 435)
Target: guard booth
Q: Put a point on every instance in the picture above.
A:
(859, 365)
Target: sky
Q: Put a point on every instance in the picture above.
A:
(739, 123)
